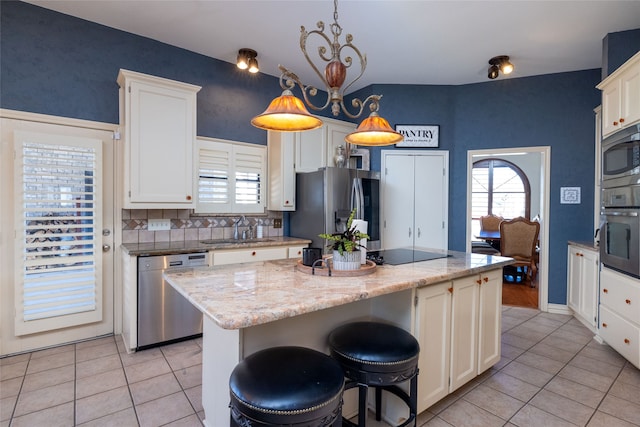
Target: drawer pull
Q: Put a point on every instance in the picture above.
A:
(299, 252)
(479, 282)
(628, 301)
(604, 325)
(621, 119)
(626, 341)
(605, 290)
(450, 290)
(615, 123)
(486, 279)
(189, 198)
(253, 253)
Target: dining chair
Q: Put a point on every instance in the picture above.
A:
(518, 239)
(491, 223)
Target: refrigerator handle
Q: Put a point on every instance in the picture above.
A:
(361, 202)
(356, 197)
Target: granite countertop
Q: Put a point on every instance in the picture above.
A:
(190, 246)
(242, 295)
(585, 244)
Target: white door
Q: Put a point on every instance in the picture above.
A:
(415, 199)
(79, 249)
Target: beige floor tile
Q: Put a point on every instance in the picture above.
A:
(10, 360)
(563, 318)
(530, 416)
(510, 351)
(580, 393)
(527, 373)
(625, 391)
(530, 333)
(124, 418)
(13, 370)
(443, 403)
(630, 375)
(185, 359)
(551, 352)
(102, 404)
(190, 421)
(518, 341)
(57, 416)
(584, 377)
(164, 410)
(189, 377)
(154, 388)
(563, 344)
(562, 407)
(423, 417)
(143, 371)
(53, 351)
(596, 366)
(603, 353)
(97, 366)
(95, 342)
(465, 413)
(621, 408)
(10, 387)
(6, 407)
(44, 398)
(600, 419)
(50, 362)
(180, 347)
(546, 321)
(512, 386)
(436, 422)
(143, 356)
(49, 378)
(95, 352)
(100, 383)
(494, 401)
(568, 335)
(543, 363)
(194, 395)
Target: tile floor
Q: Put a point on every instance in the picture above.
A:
(552, 373)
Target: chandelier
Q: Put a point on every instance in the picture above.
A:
(287, 113)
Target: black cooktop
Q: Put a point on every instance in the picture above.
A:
(402, 256)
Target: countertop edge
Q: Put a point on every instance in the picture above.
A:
(584, 244)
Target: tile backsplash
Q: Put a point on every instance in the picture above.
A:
(187, 227)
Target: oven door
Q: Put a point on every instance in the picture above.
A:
(620, 240)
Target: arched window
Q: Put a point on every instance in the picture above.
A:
(498, 187)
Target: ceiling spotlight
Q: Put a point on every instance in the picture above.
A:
(247, 60)
(497, 64)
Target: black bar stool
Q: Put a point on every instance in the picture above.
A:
(293, 386)
(381, 356)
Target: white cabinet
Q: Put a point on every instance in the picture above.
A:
(621, 97)
(235, 256)
(619, 324)
(291, 152)
(582, 279)
(458, 327)
(415, 199)
(159, 120)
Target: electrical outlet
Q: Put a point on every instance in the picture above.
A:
(277, 223)
(159, 224)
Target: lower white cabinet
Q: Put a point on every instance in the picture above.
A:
(458, 327)
(619, 324)
(582, 279)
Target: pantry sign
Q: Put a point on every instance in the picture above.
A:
(418, 135)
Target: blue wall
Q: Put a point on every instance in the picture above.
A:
(55, 64)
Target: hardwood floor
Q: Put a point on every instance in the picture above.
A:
(520, 294)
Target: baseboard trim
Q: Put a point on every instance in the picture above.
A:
(559, 309)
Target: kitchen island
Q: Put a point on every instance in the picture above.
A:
(251, 306)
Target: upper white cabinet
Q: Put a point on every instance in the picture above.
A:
(308, 151)
(159, 120)
(415, 195)
(582, 279)
(621, 97)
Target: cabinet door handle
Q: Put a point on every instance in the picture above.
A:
(626, 341)
(615, 123)
(253, 253)
(188, 197)
(479, 282)
(605, 290)
(604, 325)
(628, 301)
(450, 290)
(486, 279)
(621, 119)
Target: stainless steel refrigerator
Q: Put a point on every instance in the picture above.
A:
(325, 198)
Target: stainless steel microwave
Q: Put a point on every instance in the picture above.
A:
(621, 158)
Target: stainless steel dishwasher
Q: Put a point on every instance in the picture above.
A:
(163, 314)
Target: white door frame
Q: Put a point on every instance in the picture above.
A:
(545, 188)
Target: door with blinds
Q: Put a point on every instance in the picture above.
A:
(62, 263)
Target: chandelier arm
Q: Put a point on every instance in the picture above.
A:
(289, 79)
(372, 100)
(348, 62)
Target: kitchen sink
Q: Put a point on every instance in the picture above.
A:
(233, 241)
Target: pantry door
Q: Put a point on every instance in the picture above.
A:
(57, 208)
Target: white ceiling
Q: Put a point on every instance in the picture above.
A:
(406, 42)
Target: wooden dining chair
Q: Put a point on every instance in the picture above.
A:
(518, 239)
(490, 222)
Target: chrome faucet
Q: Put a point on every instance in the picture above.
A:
(236, 236)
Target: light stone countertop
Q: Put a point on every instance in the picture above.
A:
(584, 244)
(238, 296)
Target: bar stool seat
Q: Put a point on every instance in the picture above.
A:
(291, 386)
(381, 356)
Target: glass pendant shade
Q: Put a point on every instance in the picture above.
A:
(374, 131)
(286, 113)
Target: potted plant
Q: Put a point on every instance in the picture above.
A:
(346, 246)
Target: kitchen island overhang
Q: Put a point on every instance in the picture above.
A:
(257, 305)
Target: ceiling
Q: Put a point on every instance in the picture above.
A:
(406, 42)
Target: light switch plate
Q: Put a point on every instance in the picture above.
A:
(159, 224)
(277, 223)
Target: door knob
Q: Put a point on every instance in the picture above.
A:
(106, 248)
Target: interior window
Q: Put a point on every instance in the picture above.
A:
(498, 188)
